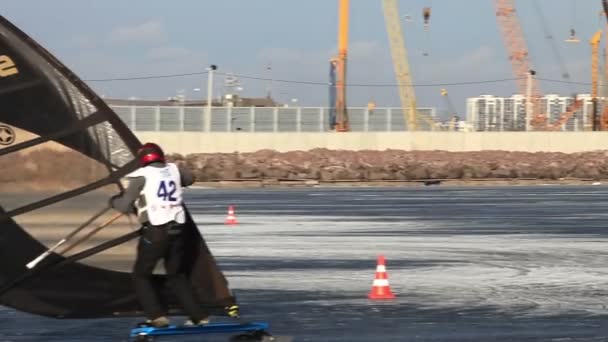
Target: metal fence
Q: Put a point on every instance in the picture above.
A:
(259, 119)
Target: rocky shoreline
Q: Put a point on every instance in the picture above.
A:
(322, 165)
(284, 183)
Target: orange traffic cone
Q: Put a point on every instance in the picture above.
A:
(231, 218)
(380, 287)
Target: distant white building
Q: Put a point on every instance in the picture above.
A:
(492, 113)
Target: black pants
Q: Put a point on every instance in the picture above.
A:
(163, 242)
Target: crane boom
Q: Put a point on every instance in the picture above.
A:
(400, 62)
(604, 123)
(595, 61)
(563, 119)
(342, 124)
(515, 43)
(451, 110)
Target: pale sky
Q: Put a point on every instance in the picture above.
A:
(118, 38)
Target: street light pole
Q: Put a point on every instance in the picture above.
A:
(529, 101)
(210, 70)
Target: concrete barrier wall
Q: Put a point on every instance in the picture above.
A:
(194, 142)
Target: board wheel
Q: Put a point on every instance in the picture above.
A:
(144, 338)
(259, 335)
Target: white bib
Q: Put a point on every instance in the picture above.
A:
(161, 198)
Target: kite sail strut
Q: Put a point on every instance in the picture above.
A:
(41, 257)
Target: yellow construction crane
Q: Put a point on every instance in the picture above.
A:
(342, 122)
(604, 122)
(402, 68)
(451, 110)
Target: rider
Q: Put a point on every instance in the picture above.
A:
(155, 190)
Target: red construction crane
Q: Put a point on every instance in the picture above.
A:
(515, 43)
(597, 123)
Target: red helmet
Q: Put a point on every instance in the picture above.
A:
(150, 153)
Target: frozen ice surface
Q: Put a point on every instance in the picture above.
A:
(544, 273)
(466, 263)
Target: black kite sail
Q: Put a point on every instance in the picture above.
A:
(62, 154)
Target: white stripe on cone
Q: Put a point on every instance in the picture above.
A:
(380, 282)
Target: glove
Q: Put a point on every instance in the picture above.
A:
(113, 198)
(232, 311)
